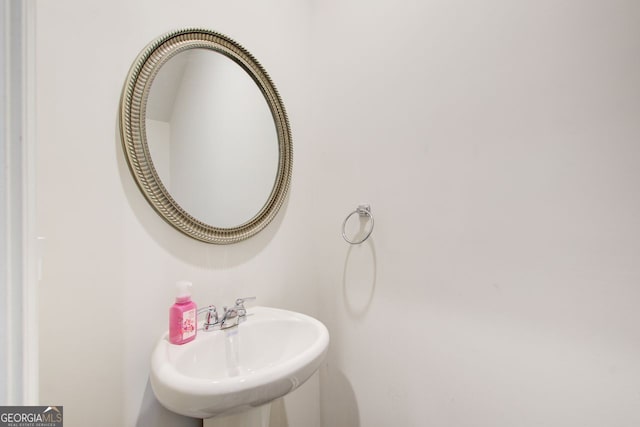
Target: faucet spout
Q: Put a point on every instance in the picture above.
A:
(238, 312)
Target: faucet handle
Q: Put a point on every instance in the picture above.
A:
(212, 317)
(240, 305)
(241, 301)
(208, 309)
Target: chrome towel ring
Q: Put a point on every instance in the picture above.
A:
(362, 211)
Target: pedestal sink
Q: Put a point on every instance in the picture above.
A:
(237, 370)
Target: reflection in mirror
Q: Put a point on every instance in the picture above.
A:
(212, 137)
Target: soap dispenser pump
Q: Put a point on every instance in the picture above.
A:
(182, 316)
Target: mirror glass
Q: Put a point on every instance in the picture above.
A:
(212, 137)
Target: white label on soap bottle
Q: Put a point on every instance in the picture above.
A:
(188, 324)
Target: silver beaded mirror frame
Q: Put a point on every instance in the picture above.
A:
(133, 105)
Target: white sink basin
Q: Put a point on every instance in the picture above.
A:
(224, 372)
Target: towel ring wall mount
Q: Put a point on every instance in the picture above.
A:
(362, 211)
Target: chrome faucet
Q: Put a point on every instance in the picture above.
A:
(237, 312)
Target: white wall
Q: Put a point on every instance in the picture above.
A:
(111, 261)
(498, 143)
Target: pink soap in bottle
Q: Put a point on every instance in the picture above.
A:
(182, 316)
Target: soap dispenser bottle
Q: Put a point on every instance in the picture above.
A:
(182, 316)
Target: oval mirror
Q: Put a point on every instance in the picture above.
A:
(206, 136)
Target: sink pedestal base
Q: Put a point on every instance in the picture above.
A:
(254, 417)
